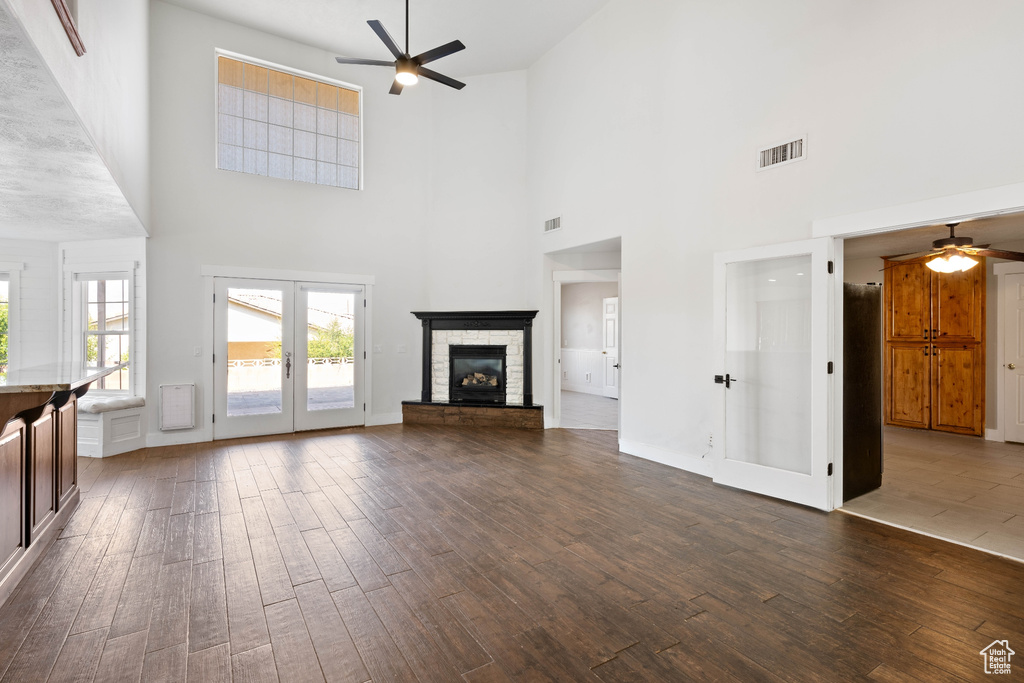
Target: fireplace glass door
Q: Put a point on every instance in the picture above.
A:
(477, 374)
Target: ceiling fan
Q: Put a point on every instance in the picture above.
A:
(408, 69)
(952, 254)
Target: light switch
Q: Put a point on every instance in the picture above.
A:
(378, 348)
(402, 348)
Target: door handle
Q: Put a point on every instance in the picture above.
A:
(726, 380)
(1011, 366)
(616, 366)
(287, 365)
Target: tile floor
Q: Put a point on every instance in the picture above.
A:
(587, 411)
(961, 488)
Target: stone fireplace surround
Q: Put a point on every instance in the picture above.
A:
(512, 329)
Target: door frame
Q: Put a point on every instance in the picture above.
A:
(1001, 270)
(566, 277)
(209, 272)
(966, 206)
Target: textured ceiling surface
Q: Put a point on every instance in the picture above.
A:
(996, 231)
(499, 36)
(53, 184)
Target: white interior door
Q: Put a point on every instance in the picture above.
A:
(328, 356)
(1013, 357)
(773, 340)
(611, 346)
(253, 357)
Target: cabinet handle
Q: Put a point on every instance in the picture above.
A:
(926, 350)
(935, 350)
(935, 334)
(926, 334)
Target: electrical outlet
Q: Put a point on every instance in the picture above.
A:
(402, 348)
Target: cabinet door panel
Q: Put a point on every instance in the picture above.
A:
(958, 389)
(958, 305)
(43, 472)
(907, 301)
(67, 450)
(12, 493)
(907, 391)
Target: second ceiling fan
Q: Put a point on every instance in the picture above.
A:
(408, 68)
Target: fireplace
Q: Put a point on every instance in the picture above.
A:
(477, 370)
(477, 373)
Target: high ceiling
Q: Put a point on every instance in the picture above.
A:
(499, 36)
(996, 231)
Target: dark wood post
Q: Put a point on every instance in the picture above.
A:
(428, 370)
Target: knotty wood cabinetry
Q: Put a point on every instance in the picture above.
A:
(935, 348)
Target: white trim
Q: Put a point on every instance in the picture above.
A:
(1000, 270)
(955, 208)
(927, 533)
(100, 268)
(568, 276)
(185, 436)
(11, 266)
(245, 272)
(697, 464)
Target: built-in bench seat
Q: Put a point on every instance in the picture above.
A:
(109, 425)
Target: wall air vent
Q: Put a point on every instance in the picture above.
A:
(776, 155)
(553, 224)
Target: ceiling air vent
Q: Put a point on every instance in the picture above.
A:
(553, 224)
(777, 155)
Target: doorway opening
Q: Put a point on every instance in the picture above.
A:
(586, 344)
(288, 356)
(950, 458)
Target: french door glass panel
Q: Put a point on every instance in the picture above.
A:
(329, 358)
(253, 332)
(772, 334)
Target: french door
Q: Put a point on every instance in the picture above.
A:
(772, 342)
(288, 356)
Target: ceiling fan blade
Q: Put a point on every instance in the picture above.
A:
(438, 52)
(396, 88)
(367, 62)
(906, 257)
(441, 78)
(999, 253)
(383, 34)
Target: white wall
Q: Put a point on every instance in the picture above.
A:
(861, 271)
(35, 340)
(656, 138)
(456, 166)
(108, 86)
(583, 313)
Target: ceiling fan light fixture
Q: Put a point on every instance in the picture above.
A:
(951, 263)
(406, 72)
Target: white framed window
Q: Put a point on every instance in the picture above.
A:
(283, 123)
(103, 328)
(10, 277)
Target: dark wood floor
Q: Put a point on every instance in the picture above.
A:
(446, 554)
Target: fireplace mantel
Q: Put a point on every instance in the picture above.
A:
(477, 320)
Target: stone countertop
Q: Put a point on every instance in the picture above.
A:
(52, 377)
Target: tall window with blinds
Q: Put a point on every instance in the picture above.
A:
(283, 124)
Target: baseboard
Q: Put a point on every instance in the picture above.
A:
(994, 435)
(681, 461)
(584, 389)
(380, 419)
(156, 439)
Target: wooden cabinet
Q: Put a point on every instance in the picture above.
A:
(12, 494)
(935, 348)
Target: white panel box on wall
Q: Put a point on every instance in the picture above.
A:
(177, 406)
